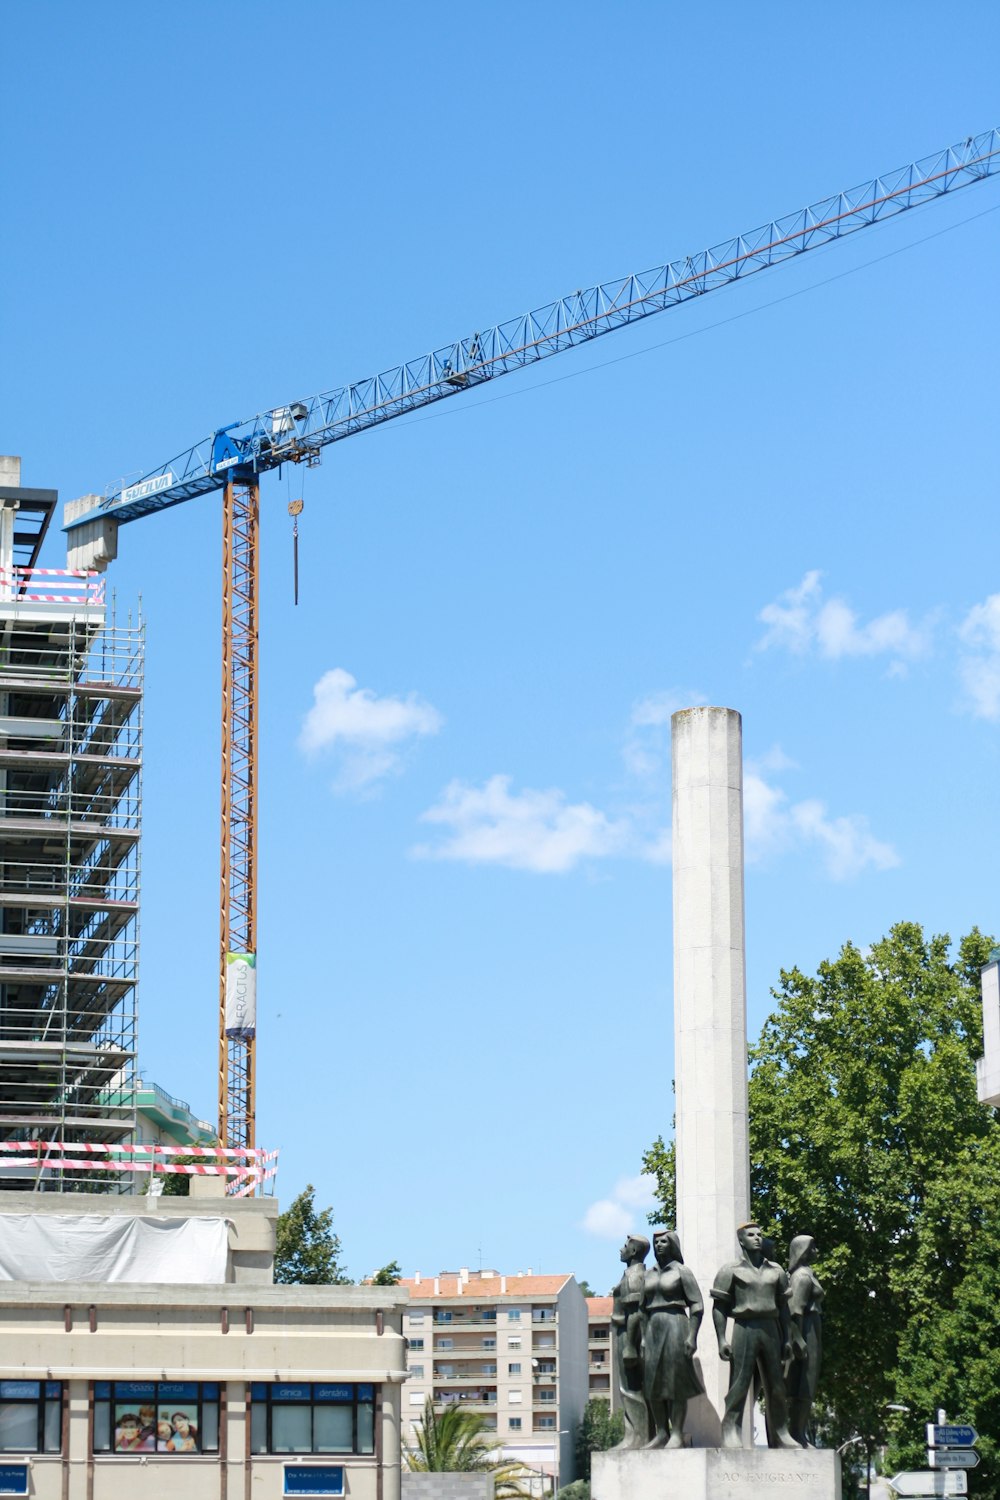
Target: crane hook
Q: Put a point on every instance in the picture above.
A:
(295, 510)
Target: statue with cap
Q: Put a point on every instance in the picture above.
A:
(753, 1292)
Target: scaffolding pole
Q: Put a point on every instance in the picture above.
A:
(238, 904)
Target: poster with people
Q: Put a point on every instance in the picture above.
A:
(134, 1427)
(177, 1430)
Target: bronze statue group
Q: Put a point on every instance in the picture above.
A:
(775, 1346)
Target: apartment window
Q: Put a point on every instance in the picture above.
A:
(156, 1416)
(515, 1368)
(30, 1416)
(442, 1315)
(514, 1396)
(312, 1418)
(416, 1317)
(546, 1396)
(489, 1343)
(545, 1424)
(489, 1315)
(445, 1343)
(514, 1343)
(416, 1343)
(514, 1423)
(513, 1315)
(417, 1372)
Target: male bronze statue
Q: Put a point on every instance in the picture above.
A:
(672, 1311)
(752, 1291)
(626, 1324)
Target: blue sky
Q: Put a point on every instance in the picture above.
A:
(781, 499)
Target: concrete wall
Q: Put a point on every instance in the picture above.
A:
(447, 1486)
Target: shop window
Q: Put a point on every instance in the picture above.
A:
(312, 1418)
(30, 1416)
(168, 1417)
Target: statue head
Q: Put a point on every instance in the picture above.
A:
(751, 1238)
(801, 1252)
(667, 1246)
(636, 1247)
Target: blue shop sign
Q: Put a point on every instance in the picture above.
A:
(14, 1479)
(314, 1479)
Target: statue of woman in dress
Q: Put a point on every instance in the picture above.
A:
(626, 1324)
(805, 1307)
(672, 1312)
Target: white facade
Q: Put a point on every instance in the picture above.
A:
(514, 1348)
(988, 1066)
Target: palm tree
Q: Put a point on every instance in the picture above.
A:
(453, 1440)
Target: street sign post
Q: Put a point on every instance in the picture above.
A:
(956, 1435)
(952, 1458)
(926, 1482)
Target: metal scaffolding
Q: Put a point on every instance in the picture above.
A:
(70, 810)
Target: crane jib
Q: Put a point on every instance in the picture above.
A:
(297, 432)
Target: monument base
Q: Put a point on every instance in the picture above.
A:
(716, 1474)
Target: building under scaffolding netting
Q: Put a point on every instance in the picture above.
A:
(70, 762)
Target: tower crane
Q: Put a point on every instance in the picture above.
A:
(233, 458)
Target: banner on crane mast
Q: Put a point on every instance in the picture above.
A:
(241, 996)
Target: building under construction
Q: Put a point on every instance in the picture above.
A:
(70, 811)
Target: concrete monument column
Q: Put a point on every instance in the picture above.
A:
(710, 1047)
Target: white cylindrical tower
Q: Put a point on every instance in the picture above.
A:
(710, 1046)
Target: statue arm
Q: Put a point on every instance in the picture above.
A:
(719, 1313)
(784, 1318)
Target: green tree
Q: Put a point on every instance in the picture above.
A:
(586, 1288)
(660, 1162)
(578, 1490)
(452, 1440)
(389, 1275)
(307, 1252)
(600, 1428)
(866, 1132)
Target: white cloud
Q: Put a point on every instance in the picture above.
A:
(646, 751)
(773, 826)
(801, 621)
(623, 1211)
(979, 668)
(368, 733)
(528, 830)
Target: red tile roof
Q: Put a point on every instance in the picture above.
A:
(599, 1307)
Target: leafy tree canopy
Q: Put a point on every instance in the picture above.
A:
(453, 1440)
(586, 1288)
(578, 1490)
(389, 1275)
(600, 1428)
(308, 1251)
(866, 1132)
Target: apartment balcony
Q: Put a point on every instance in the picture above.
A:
(469, 1377)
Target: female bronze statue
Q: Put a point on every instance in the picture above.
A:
(805, 1307)
(672, 1312)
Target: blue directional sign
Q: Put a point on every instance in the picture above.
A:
(960, 1435)
(314, 1479)
(952, 1458)
(13, 1479)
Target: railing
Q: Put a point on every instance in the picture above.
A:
(52, 585)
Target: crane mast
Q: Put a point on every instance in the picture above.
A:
(232, 459)
(238, 871)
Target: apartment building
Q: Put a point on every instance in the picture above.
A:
(601, 1383)
(513, 1348)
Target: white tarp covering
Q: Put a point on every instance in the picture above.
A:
(105, 1247)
